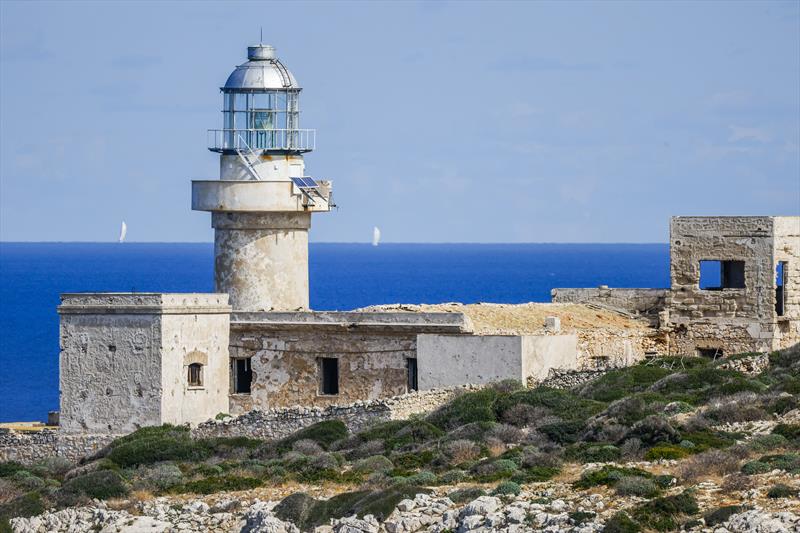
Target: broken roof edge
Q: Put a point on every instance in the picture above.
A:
(354, 320)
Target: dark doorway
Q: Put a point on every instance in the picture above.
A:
(242, 373)
(710, 353)
(411, 367)
(329, 378)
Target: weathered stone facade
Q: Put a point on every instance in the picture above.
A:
(125, 360)
(740, 315)
(740, 318)
(371, 350)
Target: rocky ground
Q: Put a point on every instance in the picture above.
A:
(551, 506)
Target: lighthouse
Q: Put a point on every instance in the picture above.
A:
(261, 205)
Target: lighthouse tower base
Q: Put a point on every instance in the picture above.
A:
(261, 259)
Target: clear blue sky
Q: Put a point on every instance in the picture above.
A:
(459, 122)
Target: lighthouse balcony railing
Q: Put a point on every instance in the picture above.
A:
(261, 139)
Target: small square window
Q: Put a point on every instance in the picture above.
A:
(329, 376)
(718, 275)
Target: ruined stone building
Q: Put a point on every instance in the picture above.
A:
(734, 287)
(136, 359)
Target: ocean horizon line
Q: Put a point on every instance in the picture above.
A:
(365, 243)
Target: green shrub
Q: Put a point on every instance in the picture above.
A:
(375, 463)
(561, 403)
(416, 432)
(608, 475)
(323, 433)
(779, 490)
(765, 443)
(158, 477)
(563, 432)
(585, 452)
(421, 479)
(307, 513)
(474, 431)
(226, 443)
(622, 382)
(653, 430)
(664, 514)
(636, 486)
(621, 523)
(666, 451)
(755, 467)
(706, 440)
(410, 461)
(790, 431)
(535, 474)
(722, 514)
(452, 476)
(156, 444)
(488, 471)
(7, 469)
(507, 488)
(29, 504)
(466, 408)
(211, 485)
(100, 484)
(664, 481)
(466, 495)
(789, 462)
(579, 517)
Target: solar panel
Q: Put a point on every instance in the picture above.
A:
(305, 183)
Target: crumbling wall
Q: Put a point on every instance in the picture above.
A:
(731, 319)
(372, 349)
(29, 447)
(282, 422)
(285, 366)
(647, 303)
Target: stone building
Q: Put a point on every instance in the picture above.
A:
(734, 287)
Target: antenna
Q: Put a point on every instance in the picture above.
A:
(261, 35)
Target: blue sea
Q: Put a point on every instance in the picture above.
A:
(342, 276)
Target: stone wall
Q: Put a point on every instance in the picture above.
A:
(566, 379)
(733, 320)
(372, 350)
(125, 356)
(282, 422)
(29, 447)
(647, 303)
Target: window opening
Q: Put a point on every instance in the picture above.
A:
(718, 275)
(242, 373)
(195, 375)
(411, 368)
(710, 353)
(781, 274)
(329, 370)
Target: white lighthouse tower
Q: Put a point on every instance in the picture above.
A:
(262, 203)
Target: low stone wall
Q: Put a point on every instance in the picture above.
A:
(282, 422)
(29, 447)
(646, 303)
(566, 379)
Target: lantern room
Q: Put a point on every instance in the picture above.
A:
(260, 108)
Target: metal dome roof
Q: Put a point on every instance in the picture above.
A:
(263, 71)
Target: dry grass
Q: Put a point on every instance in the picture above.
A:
(708, 464)
(524, 319)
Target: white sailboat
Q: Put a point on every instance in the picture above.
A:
(123, 232)
(376, 236)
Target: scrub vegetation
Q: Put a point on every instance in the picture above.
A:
(490, 441)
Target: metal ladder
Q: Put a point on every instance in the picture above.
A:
(247, 163)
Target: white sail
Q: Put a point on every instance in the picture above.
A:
(376, 236)
(123, 232)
